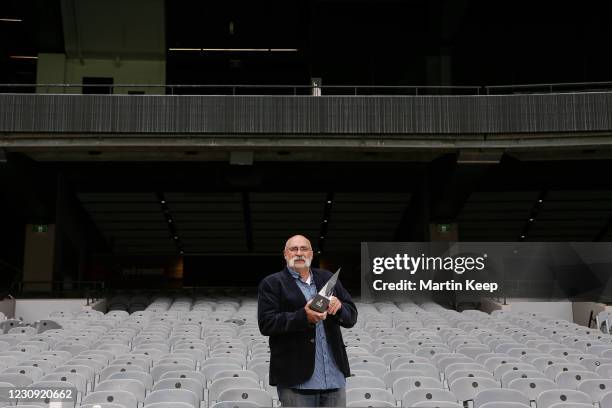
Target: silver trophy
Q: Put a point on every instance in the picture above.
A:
(321, 301)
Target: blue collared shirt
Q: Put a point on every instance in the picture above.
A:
(326, 374)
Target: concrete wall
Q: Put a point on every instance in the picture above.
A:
(488, 306)
(561, 310)
(36, 309)
(57, 69)
(99, 305)
(7, 306)
(582, 311)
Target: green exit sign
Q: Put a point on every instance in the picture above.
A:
(444, 228)
(40, 227)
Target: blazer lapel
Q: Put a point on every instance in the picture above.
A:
(296, 292)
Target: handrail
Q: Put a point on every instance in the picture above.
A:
(550, 87)
(355, 90)
(234, 89)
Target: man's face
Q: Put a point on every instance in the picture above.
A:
(298, 253)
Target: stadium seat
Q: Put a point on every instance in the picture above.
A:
(404, 384)
(256, 395)
(413, 397)
(134, 387)
(235, 404)
(493, 396)
(364, 382)
(595, 388)
(370, 403)
(504, 405)
(181, 383)
(173, 396)
(571, 379)
(123, 398)
(437, 404)
(548, 398)
(369, 393)
(222, 384)
(465, 389)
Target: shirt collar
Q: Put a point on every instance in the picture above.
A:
(297, 275)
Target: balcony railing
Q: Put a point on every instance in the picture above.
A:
(306, 90)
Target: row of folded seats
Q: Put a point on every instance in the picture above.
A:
(187, 353)
(428, 356)
(174, 354)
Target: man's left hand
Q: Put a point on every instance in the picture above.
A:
(334, 305)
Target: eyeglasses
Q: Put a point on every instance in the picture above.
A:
(302, 248)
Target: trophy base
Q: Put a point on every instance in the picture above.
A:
(319, 303)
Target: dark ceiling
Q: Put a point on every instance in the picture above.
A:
(218, 208)
(362, 42)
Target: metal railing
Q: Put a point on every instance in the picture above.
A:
(306, 90)
(548, 88)
(222, 89)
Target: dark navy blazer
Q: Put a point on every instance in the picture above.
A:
(281, 315)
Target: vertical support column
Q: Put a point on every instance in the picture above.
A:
(50, 69)
(39, 258)
(414, 225)
(439, 69)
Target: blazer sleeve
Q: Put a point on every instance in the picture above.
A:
(271, 319)
(347, 315)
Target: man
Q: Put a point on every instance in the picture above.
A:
(308, 362)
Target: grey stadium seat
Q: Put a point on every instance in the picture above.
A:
(596, 388)
(173, 396)
(222, 384)
(168, 405)
(532, 387)
(364, 381)
(235, 404)
(144, 378)
(606, 401)
(511, 375)
(571, 379)
(548, 398)
(260, 397)
(236, 374)
(465, 389)
(402, 385)
(134, 387)
(124, 398)
(427, 394)
(370, 403)
(17, 380)
(437, 404)
(181, 383)
(365, 394)
(499, 395)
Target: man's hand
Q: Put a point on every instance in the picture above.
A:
(312, 316)
(334, 305)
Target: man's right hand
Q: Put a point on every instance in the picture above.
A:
(313, 316)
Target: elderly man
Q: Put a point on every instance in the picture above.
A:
(308, 362)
